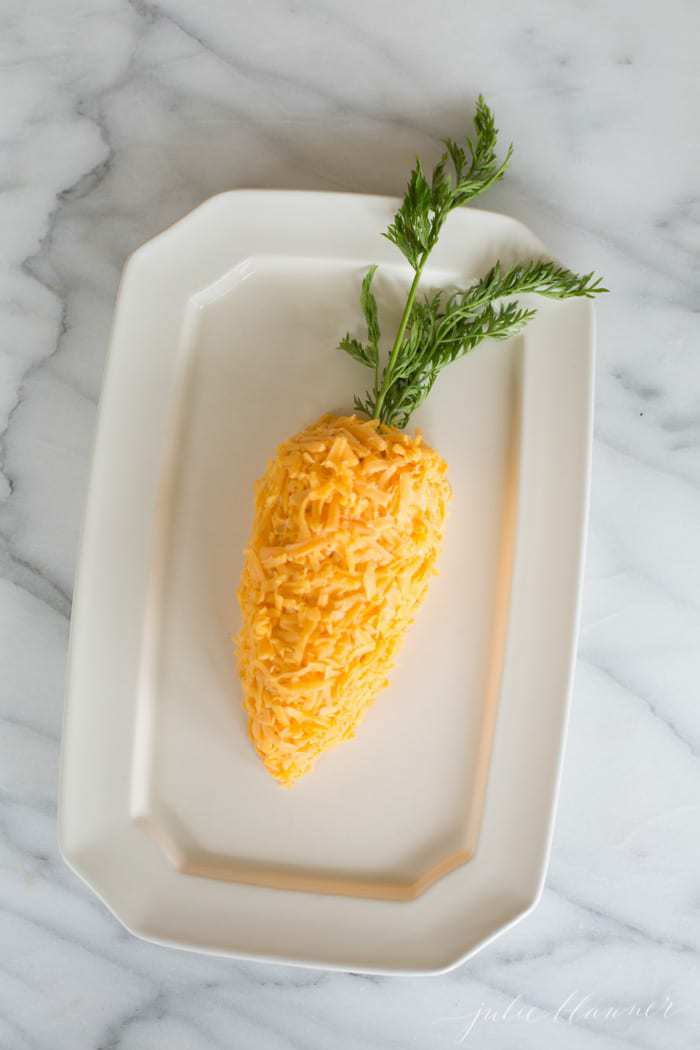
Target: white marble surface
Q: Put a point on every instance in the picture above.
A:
(117, 117)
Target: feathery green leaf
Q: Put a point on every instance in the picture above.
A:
(435, 331)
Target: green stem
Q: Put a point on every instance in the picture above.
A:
(405, 316)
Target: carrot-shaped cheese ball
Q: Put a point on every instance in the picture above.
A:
(349, 514)
(348, 523)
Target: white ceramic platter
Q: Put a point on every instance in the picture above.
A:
(223, 345)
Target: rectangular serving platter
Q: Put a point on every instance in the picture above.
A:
(428, 834)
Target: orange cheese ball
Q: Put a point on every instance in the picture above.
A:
(349, 519)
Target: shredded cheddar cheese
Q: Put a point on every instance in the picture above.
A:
(349, 518)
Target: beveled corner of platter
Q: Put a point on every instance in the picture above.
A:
(188, 859)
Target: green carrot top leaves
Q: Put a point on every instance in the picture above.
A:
(426, 205)
(437, 330)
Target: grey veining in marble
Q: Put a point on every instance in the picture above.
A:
(117, 117)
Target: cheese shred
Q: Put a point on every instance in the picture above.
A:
(349, 518)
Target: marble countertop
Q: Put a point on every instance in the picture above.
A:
(118, 117)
